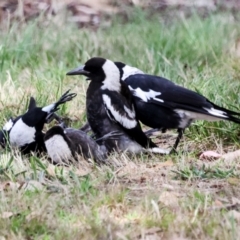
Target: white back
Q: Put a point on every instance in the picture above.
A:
(58, 149)
(128, 71)
(21, 134)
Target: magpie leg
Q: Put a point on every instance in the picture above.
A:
(151, 131)
(180, 134)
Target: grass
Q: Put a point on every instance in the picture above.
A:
(141, 197)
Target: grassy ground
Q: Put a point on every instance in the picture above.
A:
(142, 197)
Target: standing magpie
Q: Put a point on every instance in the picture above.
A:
(25, 131)
(164, 105)
(110, 107)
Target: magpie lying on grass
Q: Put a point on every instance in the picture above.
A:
(164, 105)
(25, 131)
(64, 144)
(110, 107)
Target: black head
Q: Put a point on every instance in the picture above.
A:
(98, 69)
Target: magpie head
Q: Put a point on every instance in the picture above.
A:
(98, 70)
(92, 69)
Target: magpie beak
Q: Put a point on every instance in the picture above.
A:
(79, 71)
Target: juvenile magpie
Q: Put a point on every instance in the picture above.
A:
(25, 131)
(163, 105)
(110, 107)
(65, 144)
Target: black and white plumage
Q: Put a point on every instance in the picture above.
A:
(65, 144)
(110, 107)
(164, 105)
(25, 131)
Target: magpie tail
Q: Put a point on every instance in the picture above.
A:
(66, 97)
(225, 114)
(233, 119)
(50, 109)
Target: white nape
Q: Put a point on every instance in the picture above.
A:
(112, 76)
(128, 71)
(187, 116)
(49, 108)
(21, 134)
(58, 149)
(8, 125)
(127, 122)
(145, 96)
(216, 112)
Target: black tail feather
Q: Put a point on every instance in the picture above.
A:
(66, 97)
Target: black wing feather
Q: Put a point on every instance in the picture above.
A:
(118, 102)
(176, 97)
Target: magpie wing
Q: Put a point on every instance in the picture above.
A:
(160, 91)
(122, 111)
(119, 109)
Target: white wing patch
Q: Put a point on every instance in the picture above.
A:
(217, 113)
(58, 149)
(124, 121)
(145, 96)
(48, 108)
(112, 79)
(21, 134)
(128, 71)
(130, 113)
(8, 125)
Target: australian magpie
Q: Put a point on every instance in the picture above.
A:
(110, 107)
(25, 131)
(164, 105)
(64, 144)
